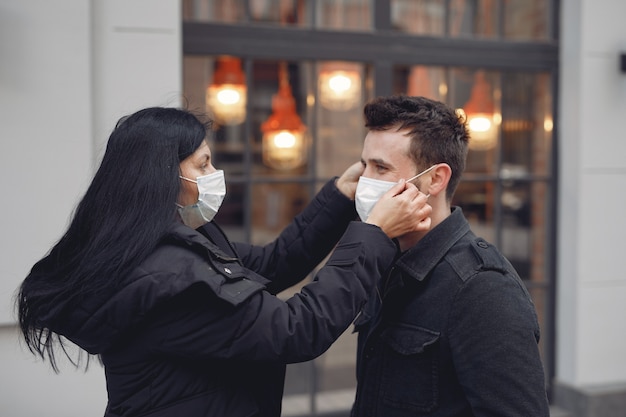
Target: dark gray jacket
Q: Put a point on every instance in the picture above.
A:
(455, 335)
(194, 332)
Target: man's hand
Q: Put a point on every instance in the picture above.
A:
(401, 210)
(348, 180)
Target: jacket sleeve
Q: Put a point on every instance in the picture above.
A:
(304, 243)
(493, 338)
(266, 328)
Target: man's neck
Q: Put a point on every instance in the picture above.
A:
(440, 213)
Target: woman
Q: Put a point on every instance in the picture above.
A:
(185, 322)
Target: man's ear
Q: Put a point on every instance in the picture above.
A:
(439, 178)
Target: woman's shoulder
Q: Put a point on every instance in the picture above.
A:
(182, 261)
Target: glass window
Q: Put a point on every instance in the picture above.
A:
(223, 11)
(324, 14)
(474, 18)
(510, 19)
(421, 80)
(341, 94)
(287, 122)
(526, 123)
(527, 19)
(344, 14)
(274, 205)
(419, 17)
(292, 12)
(541, 301)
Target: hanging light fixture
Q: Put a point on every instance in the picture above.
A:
(339, 85)
(482, 121)
(226, 96)
(284, 144)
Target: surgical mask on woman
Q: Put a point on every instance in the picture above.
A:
(370, 190)
(211, 193)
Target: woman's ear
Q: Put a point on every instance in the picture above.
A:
(439, 178)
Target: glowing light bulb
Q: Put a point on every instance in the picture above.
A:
(340, 89)
(284, 139)
(479, 124)
(340, 83)
(228, 96)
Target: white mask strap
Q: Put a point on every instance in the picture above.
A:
(422, 173)
(187, 179)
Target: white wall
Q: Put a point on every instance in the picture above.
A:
(68, 70)
(137, 59)
(45, 102)
(591, 325)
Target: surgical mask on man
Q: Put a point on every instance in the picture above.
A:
(211, 193)
(370, 190)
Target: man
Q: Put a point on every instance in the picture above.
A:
(451, 331)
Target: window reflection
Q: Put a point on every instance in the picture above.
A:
(526, 19)
(273, 207)
(224, 11)
(340, 130)
(349, 15)
(510, 19)
(344, 14)
(279, 119)
(231, 216)
(422, 80)
(526, 105)
(423, 17)
(505, 191)
(491, 19)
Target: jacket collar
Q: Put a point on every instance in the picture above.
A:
(419, 260)
(178, 232)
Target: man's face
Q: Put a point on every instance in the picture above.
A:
(385, 156)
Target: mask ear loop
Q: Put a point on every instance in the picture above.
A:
(187, 179)
(420, 174)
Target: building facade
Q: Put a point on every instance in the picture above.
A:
(545, 75)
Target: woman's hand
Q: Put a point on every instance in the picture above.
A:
(401, 210)
(349, 179)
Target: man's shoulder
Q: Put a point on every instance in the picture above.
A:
(472, 255)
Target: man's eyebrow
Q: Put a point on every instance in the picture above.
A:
(378, 161)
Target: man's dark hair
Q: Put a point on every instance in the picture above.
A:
(438, 134)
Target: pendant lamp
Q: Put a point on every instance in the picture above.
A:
(339, 85)
(284, 144)
(226, 96)
(482, 121)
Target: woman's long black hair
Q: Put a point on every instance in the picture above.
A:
(126, 211)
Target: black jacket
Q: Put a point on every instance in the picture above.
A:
(195, 332)
(453, 334)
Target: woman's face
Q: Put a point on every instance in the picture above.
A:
(195, 165)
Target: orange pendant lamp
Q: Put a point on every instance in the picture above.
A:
(226, 96)
(482, 121)
(339, 85)
(284, 145)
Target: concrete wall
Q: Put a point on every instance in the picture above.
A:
(591, 330)
(68, 70)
